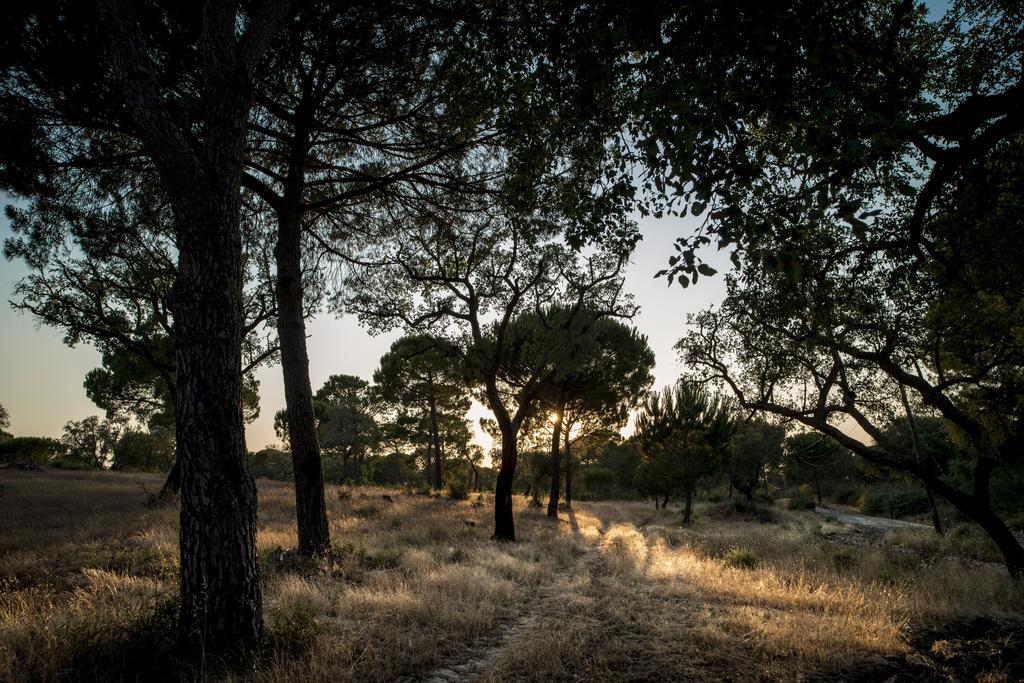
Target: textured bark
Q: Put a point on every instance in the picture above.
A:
(310, 509)
(220, 589)
(172, 485)
(504, 524)
(556, 476)
(436, 438)
(200, 167)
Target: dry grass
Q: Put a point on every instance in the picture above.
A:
(614, 590)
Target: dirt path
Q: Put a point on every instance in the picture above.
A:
(480, 658)
(866, 522)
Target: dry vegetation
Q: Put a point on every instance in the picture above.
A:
(416, 589)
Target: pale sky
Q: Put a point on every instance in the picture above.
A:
(41, 378)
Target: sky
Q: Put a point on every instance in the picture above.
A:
(41, 377)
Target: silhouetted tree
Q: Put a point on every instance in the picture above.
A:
(684, 434)
(472, 280)
(755, 445)
(165, 90)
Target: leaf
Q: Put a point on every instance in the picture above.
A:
(706, 270)
(698, 208)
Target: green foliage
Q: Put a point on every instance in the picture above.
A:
(683, 434)
(151, 451)
(599, 481)
(91, 441)
(741, 558)
(271, 463)
(388, 557)
(293, 627)
(458, 491)
(757, 444)
(801, 502)
(33, 450)
(894, 501)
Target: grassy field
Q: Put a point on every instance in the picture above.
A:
(416, 590)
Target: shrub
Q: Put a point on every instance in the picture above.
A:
(801, 502)
(599, 481)
(479, 501)
(69, 464)
(388, 557)
(34, 450)
(847, 494)
(293, 628)
(764, 499)
(344, 493)
(894, 501)
(458, 556)
(716, 497)
(740, 558)
(458, 491)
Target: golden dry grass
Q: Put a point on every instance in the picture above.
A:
(614, 591)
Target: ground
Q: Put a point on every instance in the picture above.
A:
(415, 590)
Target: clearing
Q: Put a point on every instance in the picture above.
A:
(415, 590)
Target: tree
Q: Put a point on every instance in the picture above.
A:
(5, 422)
(113, 291)
(424, 372)
(873, 321)
(472, 279)
(684, 435)
(601, 370)
(814, 451)
(755, 445)
(167, 89)
(91, 441)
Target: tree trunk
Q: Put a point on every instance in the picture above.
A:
(504, 524)
(568, 473)
(310, 509)
(657, 503)
(936, 520)
(221, 610)
(172, 485)
(664, 503)
(1005, 540)
(436, 436)
(817, 485)
(556, 474)
(688, 507)
(914, 442)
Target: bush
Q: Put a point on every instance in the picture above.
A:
(344, 493)
(894, 501)
(293, 628)
(847, 494)
(458, 491)
(385, 558)
(801, 502)
(33, 450)
(764, 499)
(716, 497)
(599, 481)
(70, 464)
(740, 558)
